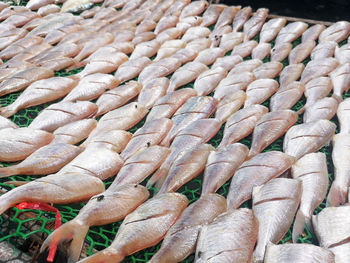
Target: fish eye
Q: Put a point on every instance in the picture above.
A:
(100, 198)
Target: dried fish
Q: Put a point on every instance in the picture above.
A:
(286, 97)
(152, 91)
(271, 29)
(324, 108)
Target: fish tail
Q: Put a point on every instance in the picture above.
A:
(16, 183)
(339, 98)
(71, 230)
(7, 111)
(108, 255)
(337, 195)
(8, 171)
(299, 225)
(155, 178)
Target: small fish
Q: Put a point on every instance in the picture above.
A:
(337, 32)
(227, 15)
(343, 117)
(324, 108)
(217, 34)
(209, 56)
(166, 22)
(280, 52)
(290, 74)
(168, 34)
(242, 123)
(196, 32)
(313, 32)
(221, 166)
(208, 80)
(241, 17)
(317, 89)
(255, 23)
(323, 50)
(271, 29)
(231, 237)
(246, 66)
(20, 19)
(48, 9)
(62, 50)
(18, 144)
(341, 80)
(199, 44)
(261, 51)
(184, 24)
(144, 227)
(342, 54)
(169, 48)
(276, 202)
(194, 9)
(131, 68)
(146, 25)
(74, 6)
(229, 104)
(228, 41)
(57, 64)
(318, 68)
(211, 15)
(301, 52)
(19, 46)
(176, 7)
(268, 70)
(287, 96)
(269, 128)
(290, 32)
(260, 90)
(36, 4)
(227, 62)
(40, 92)
(11, 10)
(6, 123)
(309, 137)
(244, 49)
(4, 5)
(185, 55)
(152, 91)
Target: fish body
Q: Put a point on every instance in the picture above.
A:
(76, 5)
(241, 17)
(228, 41)
(189, 22)
(342, 54)
(255, 23)
(313, 32)
(185, 55)
(317, 89)
(323, 50)
(36, 4)
(169, 48)
(152, 91)
(280, 52)
(166, 22)
(11, 36)
(260, 90)
(246, 66)
(209, 56)
(290, 74)
(114, 140)
(271, 29)
(268, 70)
(131, 68)
(194, 33)
(227, 62)
(301, 52)
(20, 46)
(290, 32)
(324, 108)
(341, 80)
(194, 9)
(227, 15)
(230, 103)
(6, 123)
(318, 68)
(211, 15)
(208, 80)
(244, 49)
(261, 51)
(287, 96)
(48, 9)
(336, 32)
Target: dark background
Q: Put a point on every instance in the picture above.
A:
(330, 10)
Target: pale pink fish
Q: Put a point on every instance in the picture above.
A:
(161, 68)
(125, 47)
(152, 91)
(342, 54)
(231, 237)
(26, 55)
(168, 34)
(76, 37)
(280, 52)
(230, 40)
(244, 49)
(341, 80)
(9, 37)
(36, 4)
(217, 34)
(74, 132)
(290, 32)
(11, 10)
(117, 97)
(196, 32)
(6, 123)
(271, 29)
(114, 3)
(143, 37)
(20, 19)
(323, 50)
(255, 23)
(55, 36)
(17, 144)
(3, 5)
(185, 55)
(337, 32)
(268, 70)
(246, 66)
(221, 165)
(227, 62)
(274, 205)
(146, 49)
(146, 26)
(242, 123)
(287, 96)
(227, 15)
(90, 12)
(166, 22)
(176, 8)
(261, 51)
(229, 104)
(40, 92)
(6, 27)
(324, 108)
(291, 73)
(331, 228)
(130, 6)
(269, 128)
(186, 167)
(184, 24)
(343, 117)
(317, 88)
(155, 15)
(167, 105)
(301, 52)
(151, 133)
(184, 233)
(19, 46)
(309, 137)
(199, 44)
(194, 9)
(211, 15)
(92, 87)
(209, 56)
(169, 48)
(312, 171)
(61, 50)
(313, 32)
(208, 80)
(260, 90)
(241, 17)
(61, 113)
(57, 64)
(318, 68)
(131, 68)
(232, 83)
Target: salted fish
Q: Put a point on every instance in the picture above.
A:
(318, 68)
(199, 44)
(11, 10)
(6, 123)
(17, 144)
(301, 52)
(152, 91)
(342, 54)
(255, 23)
(4, 5)
(260, 90)
(341, 80)
(246, 66)
(217, 33)
(48, 9)
(323, 50)
(146, 25)
(131, 68)
(150, 221)
(76, 6)
(336, 32)
(287, 96)
(74, 132)
(19, 46)
(290, 32)
(105, 208)
(229, 104)
(166, 22)
(280, 52)
(313, 32)
(241, 17)
(169, 48)
(40, 92)
(211, 15)
(20, 19)
(209, 56)
(268, 70)
(309, 137)
(36, 4)
(227, 15)
(244, 49)
(62, 50)
(242, 123)
(317, 88)
(274, 205)
(227, 62)
(228, 41)
(261, 51)
(185, 55)
(343, 116)
(221, 165)
(186, 74)
(195, 33)
(312, 171)
(208, 80)
(194, 9)
(176, 8)
(324, 108)
(167, 105)
(270, 29)
(184, 233)
(290, 74)
(184, 24)
(168, 34)
(230, 237)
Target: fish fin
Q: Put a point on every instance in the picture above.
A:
(71, 230)
(337, 195)
(16, 183)
(7, 111)
(299, 225)
(337, 97)
(157, 178)
(108, 255)
(8, 171)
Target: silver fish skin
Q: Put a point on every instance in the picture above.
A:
(194, 9)
(246, 66)
(318, 68)
(341, 80)
(323, 50)
(241, 17)
(221, 165)
(209, 56)
(131, 68)
(324, 108)
(301, 52)
(290, 32)
(336, 32)
(261, 51)
(6, 123)
(313, 32)
(309, 137)
(280, 52)
(268, 70)
(331, 226)
(227, 15)
(244, 49)
(287, 96)
(290, 74)
(303, 253)
(208, 80)
(61, 113)
(277, 201)
(194, 33)
(271, 29)
(312, 171)
(268, 165)
(255, 23)
(228, 41)
(343, 116)
(342, 54)
(227, 62)
(317, 88)
(211, 15)
(231, 237)
(260, 90)
(152, 91)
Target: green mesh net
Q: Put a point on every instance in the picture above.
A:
(20, 227)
